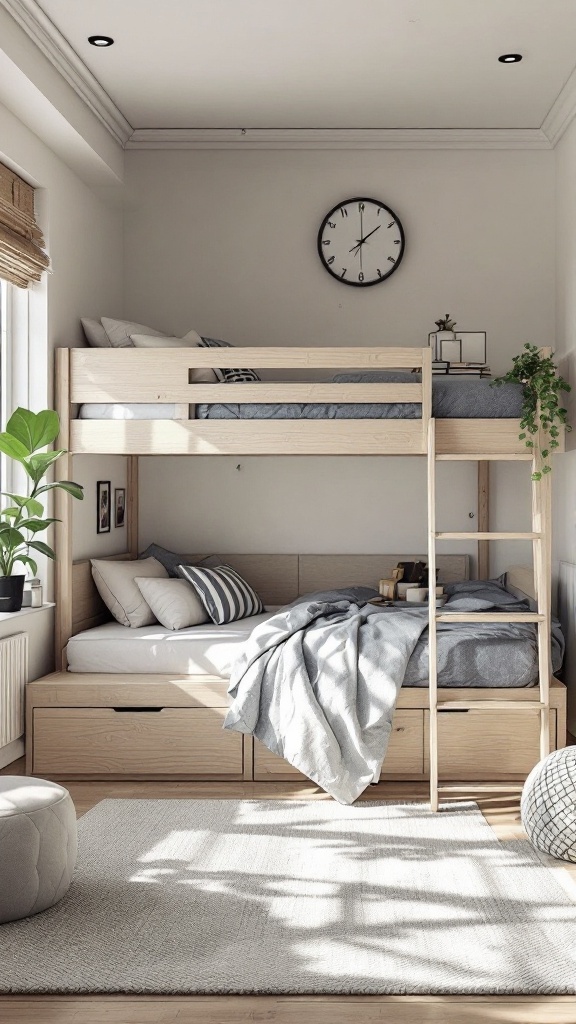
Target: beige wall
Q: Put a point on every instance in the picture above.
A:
(83, 230)
(226, 243)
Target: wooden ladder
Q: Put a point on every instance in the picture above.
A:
(541, 546)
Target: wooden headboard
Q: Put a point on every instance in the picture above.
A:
(278, 579)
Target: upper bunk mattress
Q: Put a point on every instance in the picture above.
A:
(452, 398)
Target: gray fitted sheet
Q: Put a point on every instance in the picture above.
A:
(452, 398)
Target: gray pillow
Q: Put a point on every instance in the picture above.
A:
(171, 560)
(94, 333)
(115, 582)
(119, 331)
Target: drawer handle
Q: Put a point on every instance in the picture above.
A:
(454, 711)
(141, 711)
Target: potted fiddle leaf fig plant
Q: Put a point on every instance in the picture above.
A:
(22, 517)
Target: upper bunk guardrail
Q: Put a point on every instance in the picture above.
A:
(130, 375)
(159, 376)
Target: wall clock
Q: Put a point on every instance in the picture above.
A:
(361, 242)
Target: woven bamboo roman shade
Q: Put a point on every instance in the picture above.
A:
(22, 256)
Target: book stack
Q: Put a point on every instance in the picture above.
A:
(440, 366)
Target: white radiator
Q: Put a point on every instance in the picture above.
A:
(13, 678)
(567, 616)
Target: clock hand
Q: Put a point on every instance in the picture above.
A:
(361, 241)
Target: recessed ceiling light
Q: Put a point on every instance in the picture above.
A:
(510, 58)
(100, 40)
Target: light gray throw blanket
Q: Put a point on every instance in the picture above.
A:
(317, 684)
(318, 681)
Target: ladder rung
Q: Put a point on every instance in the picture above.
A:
(488, 536)
(482, 705)
(486, 457)
(489, 617)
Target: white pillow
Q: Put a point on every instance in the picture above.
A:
(115, 582)
(119, 331)
(94, 333)
(200, 375)
(174, 602)
(190, 340)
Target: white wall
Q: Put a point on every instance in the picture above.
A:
(226, 243)
(83, 230)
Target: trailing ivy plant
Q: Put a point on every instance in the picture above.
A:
(22, 517)
(541, 408)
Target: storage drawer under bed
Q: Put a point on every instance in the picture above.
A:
(405, 755)
(479, 745)
(136, 742)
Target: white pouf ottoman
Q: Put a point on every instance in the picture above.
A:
(38, 844)
(548, 805)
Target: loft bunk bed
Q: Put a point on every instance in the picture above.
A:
(97, 724)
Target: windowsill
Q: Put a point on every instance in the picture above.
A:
(8, 616)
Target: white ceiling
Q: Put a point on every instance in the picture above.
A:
(427, 64)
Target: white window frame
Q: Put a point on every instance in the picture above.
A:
(24, 375)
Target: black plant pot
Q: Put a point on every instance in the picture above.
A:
(11, 591)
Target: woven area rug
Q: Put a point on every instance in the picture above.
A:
(255, 896)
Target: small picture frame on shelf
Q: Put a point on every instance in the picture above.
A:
(473, 346)
(450, 350)
(119, 506)
(103, 506)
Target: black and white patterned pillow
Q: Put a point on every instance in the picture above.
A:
(224, 594)
(228, 376)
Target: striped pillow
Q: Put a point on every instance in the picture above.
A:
(224, 594)
(228, 376)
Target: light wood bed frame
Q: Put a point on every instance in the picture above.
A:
(98, 726)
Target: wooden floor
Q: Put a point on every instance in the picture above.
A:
(500, 806)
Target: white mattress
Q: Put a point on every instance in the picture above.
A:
(140, 411)
(198, 650)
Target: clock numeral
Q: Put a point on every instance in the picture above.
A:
(331, 224)
(331, 260)
(343, 211)
(392, 259)
(344, 271)
(326, 242)
(392, 223)
(361, 207)
(379, 272)
(379, 211)
(360, 276)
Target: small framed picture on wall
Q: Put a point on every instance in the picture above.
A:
(119, 506)
(103, 506)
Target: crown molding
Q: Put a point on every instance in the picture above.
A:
(562, 112)
(337, 138)
(54, 46)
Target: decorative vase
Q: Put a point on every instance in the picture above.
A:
(11, 591)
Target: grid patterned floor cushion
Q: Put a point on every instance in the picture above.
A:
(223, 592)
(548, 805)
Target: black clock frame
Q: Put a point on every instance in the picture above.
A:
(320, 247)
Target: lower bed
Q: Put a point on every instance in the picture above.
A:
(150, 704)
(498, 655)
